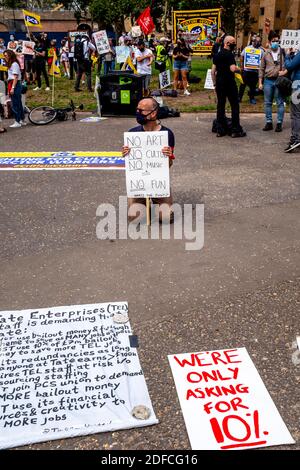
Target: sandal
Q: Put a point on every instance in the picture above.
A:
(2, 130)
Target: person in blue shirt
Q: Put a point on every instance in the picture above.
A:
(292, 64)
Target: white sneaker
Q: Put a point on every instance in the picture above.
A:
(186, 92)
(36, 88)
(47, 89)
(23, 123)
(15, 124)
(83, 82)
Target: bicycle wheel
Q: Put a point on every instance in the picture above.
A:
(42, 115)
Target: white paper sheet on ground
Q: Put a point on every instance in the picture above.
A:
(147, 169)
(93, 119)
(69, 371)
(225, 403)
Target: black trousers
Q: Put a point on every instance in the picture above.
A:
(40, 68)
(228, 90)
(250, 79)
(84, 66)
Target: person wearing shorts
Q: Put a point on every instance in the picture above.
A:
(180, 65)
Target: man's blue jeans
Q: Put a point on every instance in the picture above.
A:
(271, 92)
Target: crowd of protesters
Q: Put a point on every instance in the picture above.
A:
(161, 54)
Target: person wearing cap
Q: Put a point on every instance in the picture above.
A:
(144, 58)
(147, 119)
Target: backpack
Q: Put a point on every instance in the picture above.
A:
(79, 48)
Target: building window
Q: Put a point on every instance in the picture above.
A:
(278, 13)
(262, 11)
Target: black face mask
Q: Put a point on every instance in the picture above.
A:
(142, 118)
(232, 47)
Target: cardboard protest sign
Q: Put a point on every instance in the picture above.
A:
(136, 31)
(164, 79)
(290, 39)
(101, 41)
(147, 169)
(225, 403)
(252, 58)
(209, 85)
(3, 66)
(69, 371)
(122, 52)
(28, 47)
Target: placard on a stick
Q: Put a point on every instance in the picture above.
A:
(101, 41)
(209, 84)
(225, 403)
(147, 169)
(69, 371)
(290, 38)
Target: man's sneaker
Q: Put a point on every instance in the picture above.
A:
(186, 92)
(292, 146)
(234, 135)
(47, 89)
(268, 126)
(23, 123)
(278, 127)
(36, 88)
(15, 124)
(253, 101)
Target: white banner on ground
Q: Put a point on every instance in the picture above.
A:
(101, 41)
(122, 52)
(147, 169)
(28, 47)
(290, 38)
(164, 79)
(225, 403)
(209, 85)
(69, 371)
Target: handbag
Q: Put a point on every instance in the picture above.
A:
(284, 84)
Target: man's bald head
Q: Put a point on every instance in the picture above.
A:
(148, 104)
(229, 41)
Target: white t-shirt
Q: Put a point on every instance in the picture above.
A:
(14, 70)
(275, 55)
(144, 66)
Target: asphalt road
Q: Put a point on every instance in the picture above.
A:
(240, 290)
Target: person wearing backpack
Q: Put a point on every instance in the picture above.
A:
(292, 64)
(82, 52)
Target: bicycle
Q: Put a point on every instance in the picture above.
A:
(42, 115)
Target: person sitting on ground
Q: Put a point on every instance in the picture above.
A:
(146, 116)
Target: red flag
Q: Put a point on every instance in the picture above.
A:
(145, 21)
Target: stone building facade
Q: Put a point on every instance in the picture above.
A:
(271, 15)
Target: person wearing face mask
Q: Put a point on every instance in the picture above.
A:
(271, 67)
(12, 43)
(250, 63)
(223, 75)
(146, 116)
(144, 58)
